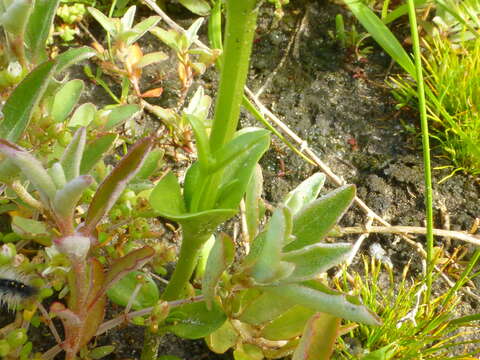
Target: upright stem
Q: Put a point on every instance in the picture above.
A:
(185, 266)
(426, 145)
(239, 32)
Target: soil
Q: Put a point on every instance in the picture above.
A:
(342, 108)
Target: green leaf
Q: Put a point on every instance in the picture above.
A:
(238, 172)
(65, 99)
(323, 299)
(267, 268)
(315, 220)
(201, 137)
(66, 199)
(151, 165)
(120, 114)
(128, 17)
(318, 338)
(83, 115)
(132, 261)
(72, 56)
(152, 58)
(247, 351)
(197, 225)
(304, 193)
(382, 34)
(166, 197)
(72, 156)
(195, 321)
(199, 7)
(384, 353)
(288, 325)
(22, 102)
(107, 23)
(29, 229)
(170, 38)
(121, 292)
(220, 258)
(101, 351)
(112, 187)
(95, 151)
(254, 207)
(15, 17)
(193, 179)
(38, 29)
(142, 27)
(315, 259)
(32, 169)
(222, 339)
(264, 308)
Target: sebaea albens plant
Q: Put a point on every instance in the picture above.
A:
(275, 303)
(59, 189)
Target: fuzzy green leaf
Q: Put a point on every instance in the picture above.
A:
(288, 325)
(323, 299)
(29, 229)
(264, 308)
(222, 339)
(83, 115)
(219, 259)
(199, 7)
(38, 28)
(267, 267)
(318, 338)
(304, 193)
(65, 99)
(73, 56)
(107, 23)
(151, 165)
(72, 156)
(66, 199)
(15, 18)
(119, 114)
(95, 151)
(315, 259)
(32, 169)
(142, 27)
(22, 102)
(315, 220)
(254, 207)
(194, 321)
(112, 187)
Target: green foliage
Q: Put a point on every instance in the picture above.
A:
(450, 75)
(410, 326)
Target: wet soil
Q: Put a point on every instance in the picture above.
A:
(342, 108)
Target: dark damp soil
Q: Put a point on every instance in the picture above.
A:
(342, 108)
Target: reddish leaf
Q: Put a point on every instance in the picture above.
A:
(113, 185)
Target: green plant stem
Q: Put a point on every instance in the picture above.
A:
(185, 266)
(240, 29)
(239, 32)
(426, 146)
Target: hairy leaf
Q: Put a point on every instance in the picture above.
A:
(111, 188)
(219, 259)
(315, 220)
(304, 193)
(72, 156)
(95, 151)
(38, 28)
(318, 338)
(65, 99)
(22, 102)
